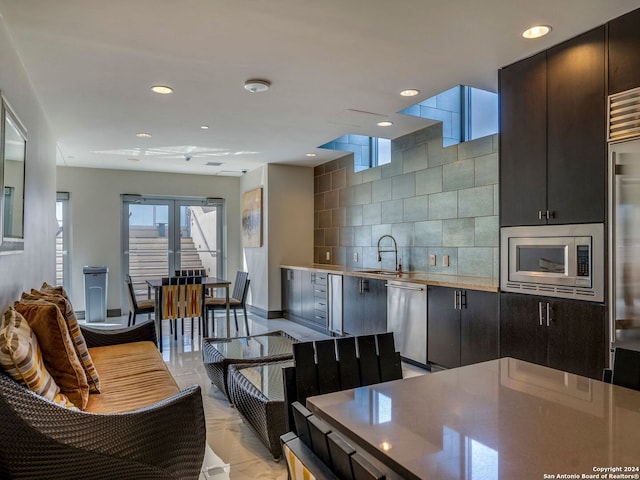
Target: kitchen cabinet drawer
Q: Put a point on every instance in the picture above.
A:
(304, 297)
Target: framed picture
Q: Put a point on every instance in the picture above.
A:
(252, 218)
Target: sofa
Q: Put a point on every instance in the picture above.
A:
(139, 426)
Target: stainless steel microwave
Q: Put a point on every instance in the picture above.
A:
(565, 261)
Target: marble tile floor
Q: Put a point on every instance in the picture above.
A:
(227, 435)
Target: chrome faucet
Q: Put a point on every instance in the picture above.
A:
(395, 251)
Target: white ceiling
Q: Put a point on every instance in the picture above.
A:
(92, 63)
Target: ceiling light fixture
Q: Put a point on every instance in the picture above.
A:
(257, 85)
(385, 123)
(143, 135)
(204, 127)
(162, 89)
(410, 92)
(536, 31)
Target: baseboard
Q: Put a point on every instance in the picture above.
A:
(264, 313)
(114, 312)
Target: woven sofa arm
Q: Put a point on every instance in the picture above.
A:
(95, 337)
(163, 441)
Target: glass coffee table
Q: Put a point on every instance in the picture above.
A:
(219, 353)
(257, 391)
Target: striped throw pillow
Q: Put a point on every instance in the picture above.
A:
(52, 289)
(76, 334)
(21, 358)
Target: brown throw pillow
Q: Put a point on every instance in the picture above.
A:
(51, 289)
(76, 335)
(58, 352)
(21, 358)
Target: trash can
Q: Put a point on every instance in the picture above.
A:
(95, 293)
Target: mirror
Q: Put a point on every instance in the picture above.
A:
(14, 148)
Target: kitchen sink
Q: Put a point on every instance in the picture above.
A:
(382, 272)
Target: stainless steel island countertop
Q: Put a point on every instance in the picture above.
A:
(499, 420)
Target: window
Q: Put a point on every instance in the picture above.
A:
(63, 239)
(368, 152)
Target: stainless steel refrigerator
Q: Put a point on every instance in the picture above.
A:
(624, 242)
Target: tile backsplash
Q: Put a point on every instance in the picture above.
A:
(433, 200)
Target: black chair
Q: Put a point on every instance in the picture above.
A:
(326, 366)
(136, 307)
(324, 448)
(301, 461)
(626, 369)
(237, 300)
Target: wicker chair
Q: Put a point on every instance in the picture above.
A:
(166, 440)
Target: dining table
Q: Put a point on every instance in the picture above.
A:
(498, 420)
(208, 283)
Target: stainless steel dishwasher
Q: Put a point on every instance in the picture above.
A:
(407, 319)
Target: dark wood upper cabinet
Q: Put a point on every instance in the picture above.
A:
(552, 135)
(624, 45)
(523, 140)
(576, 129)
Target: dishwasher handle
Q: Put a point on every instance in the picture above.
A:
(404, 287)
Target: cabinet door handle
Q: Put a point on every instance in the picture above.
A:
(539, 214)
(455, 299)
(550, 214)
(540, 312)
(463, 299)
(548, 314)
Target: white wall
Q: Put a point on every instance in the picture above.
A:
(287, 229)
(95, 206)
(291, 222)
(22, 271)
(256, 258)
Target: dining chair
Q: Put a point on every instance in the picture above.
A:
(180, 298)
(322, 446)
(237, 300)
(325, 366)
(626, 369)
(136, 307)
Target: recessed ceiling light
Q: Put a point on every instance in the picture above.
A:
(143, 135)
(257, 85)
(410, 92)
(204, 127)
(385, 123)
(536, 31)
(312, 154)
(162, 89)
(134, 159)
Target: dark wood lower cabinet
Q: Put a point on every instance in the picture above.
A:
(304, 297)
(462, 326)
(563, 334)
(364, 307)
